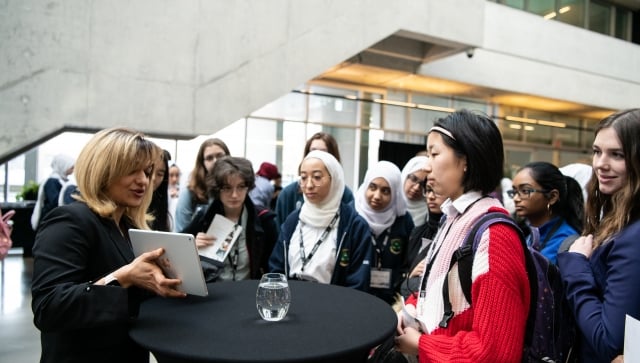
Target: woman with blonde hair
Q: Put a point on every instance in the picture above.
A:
(87, 283)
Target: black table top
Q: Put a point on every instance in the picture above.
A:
(324, 323)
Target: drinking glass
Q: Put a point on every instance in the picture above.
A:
(273, 296)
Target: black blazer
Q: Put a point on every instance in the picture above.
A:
(81, 322)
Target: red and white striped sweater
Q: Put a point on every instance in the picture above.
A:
(492, 328)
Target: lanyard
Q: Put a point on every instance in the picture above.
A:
(433, 252)
(233, 255)
(379, 248)
(325, 233)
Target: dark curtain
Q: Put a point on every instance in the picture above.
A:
(398, 152)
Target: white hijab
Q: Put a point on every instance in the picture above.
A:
(417, 208)
(321, 214)
(381, 220)
(60, 164)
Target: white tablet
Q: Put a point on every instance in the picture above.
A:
(180, 259)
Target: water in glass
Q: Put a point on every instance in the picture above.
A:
(273, 297)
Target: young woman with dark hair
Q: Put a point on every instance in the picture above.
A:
(465, 164)
(551, 204)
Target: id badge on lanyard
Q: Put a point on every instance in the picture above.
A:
(381, 278)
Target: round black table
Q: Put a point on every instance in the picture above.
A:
(325, 323)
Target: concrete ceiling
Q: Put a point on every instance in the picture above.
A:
(393, 63)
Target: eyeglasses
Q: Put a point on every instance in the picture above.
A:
(426, 190)
(228, 189)
(213, 157)
(316, 180)
(524, 193)
(415, 180)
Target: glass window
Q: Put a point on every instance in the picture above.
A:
(569, 157)
(571, 12)
(262, 142)
(395, 117)
(470, 105)
(346, 138)
(599, 17)
(423, 119)
(515, 159)
(332, 110)
(541, 7)
(15, 176)
(294, 137)
(623, 21)
(288, 107)
(518, 4)
(371, 111)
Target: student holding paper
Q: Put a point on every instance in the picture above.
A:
(87, 285)
(253, 231)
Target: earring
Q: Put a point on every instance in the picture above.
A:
(465, 169)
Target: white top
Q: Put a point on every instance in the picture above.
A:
(320, 267)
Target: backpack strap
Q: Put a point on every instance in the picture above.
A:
(464, 257)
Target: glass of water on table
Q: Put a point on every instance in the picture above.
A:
(273, 296)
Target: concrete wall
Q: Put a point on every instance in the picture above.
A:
(525, 53)
(186, 67)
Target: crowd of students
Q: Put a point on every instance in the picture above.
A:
(394, 236)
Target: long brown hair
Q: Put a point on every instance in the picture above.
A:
(607, 215)
(198, 179)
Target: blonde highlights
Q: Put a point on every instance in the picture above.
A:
(109, 155)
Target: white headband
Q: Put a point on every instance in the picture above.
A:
(443, 131)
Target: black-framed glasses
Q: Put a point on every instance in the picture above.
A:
(415, 180)
(228, 189)
(524, 193)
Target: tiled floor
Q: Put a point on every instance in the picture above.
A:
(20, 339)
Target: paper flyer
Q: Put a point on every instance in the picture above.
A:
(226, 233)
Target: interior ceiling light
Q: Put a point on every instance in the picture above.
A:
(534, 121)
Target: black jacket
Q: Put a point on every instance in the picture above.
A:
(79, 321)
(261, 232)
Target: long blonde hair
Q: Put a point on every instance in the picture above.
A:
(111, 154)
(607, 215)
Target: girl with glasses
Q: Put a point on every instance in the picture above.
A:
(419, 241)
(413, 175)
(325, 240)
(550, 203)
(379, 201)
(195, 195)
(229, 182)
(291, 196)
(602, 268)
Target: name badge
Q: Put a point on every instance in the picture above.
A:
(381, 278)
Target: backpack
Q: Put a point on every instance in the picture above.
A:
(551, 330)
(5, 233)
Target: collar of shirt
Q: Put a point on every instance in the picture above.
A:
(453, 208)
